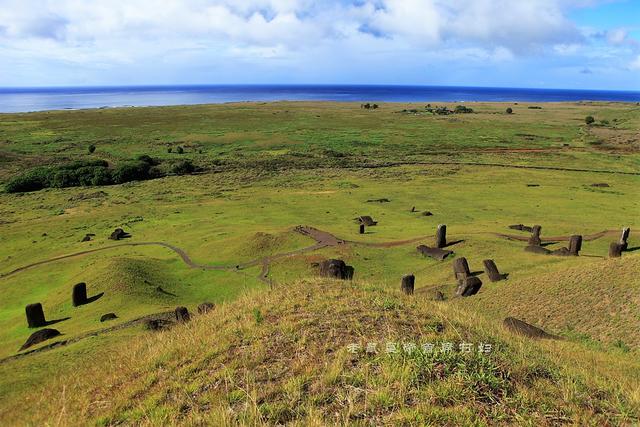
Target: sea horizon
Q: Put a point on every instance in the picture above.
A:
(32, 99)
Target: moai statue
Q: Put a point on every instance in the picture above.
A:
(182, 315)
(35, 315)
(205, 307)
(615, 250)
(79, 294)
(575, 245)
(469, 286)
(408, 282)
(624, 237)
(441, 236)
(535, 240)
(491, 270)
(461, 269)
(336, 269)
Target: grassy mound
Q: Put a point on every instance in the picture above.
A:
(597, 301)
(137, 277)
(287, 357)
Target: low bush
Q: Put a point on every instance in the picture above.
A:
(131, 171)
(589, 120)
(148, 159)
(80, 173)
(461, 109)
(32, 180)
(183, 167)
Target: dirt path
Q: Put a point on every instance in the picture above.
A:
(587, 237)
(500, 165)
(323, 239)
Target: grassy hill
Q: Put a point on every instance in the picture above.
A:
(227, 234)
(285, 357)
(598, 303)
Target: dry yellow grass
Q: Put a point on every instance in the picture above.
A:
(283, 357)
(599, 301)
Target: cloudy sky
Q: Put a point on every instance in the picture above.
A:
(522, 43)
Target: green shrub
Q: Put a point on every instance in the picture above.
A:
(101, 176)
(86, 176)
(91, 149)
(148, 159)
(32, 180)
(63, 178)
(179, 150)
(184, 167)
(82, 163)
(131, 171)
(86, 173)
(509, 110)
(589, 120)
(461, 109)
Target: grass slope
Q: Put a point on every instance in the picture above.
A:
(599, 302)
(270, 167)
(283, 357)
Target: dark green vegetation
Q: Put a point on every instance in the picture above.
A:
(279, 354)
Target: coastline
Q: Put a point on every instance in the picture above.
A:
(25, 100)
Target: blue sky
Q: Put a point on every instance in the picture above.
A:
(516, 43)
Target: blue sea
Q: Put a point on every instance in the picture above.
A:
(39, 99)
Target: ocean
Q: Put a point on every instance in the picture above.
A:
(39, 99)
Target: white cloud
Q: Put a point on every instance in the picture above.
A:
(635, 64)
(289, 22)
(302, 34)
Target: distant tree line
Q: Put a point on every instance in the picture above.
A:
(441, 111)
(93, 173)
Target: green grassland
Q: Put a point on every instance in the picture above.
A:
(266, 168)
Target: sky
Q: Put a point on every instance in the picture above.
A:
(573, 44)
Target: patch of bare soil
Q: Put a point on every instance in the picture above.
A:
(611, 139)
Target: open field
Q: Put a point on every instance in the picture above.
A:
(227, 234)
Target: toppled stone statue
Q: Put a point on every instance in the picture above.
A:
(521, 227)
(435, 253)
(108, 316)
(366, 220)
(119, 234)
(523, 328)
(40, 336)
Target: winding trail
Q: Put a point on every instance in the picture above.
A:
(587, 237)
(323, 239)
(500, 165)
